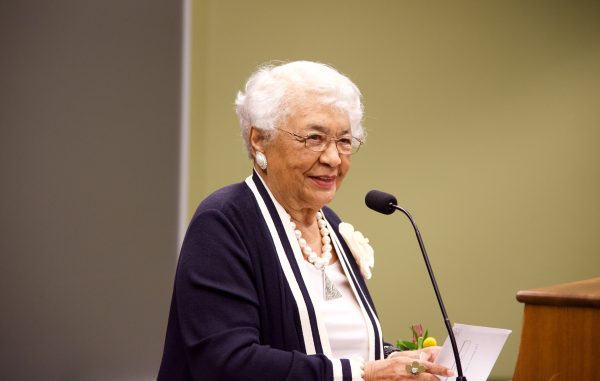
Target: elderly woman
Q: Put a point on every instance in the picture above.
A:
(266, 287)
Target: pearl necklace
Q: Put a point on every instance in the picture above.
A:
(311, 256)
(320, 262)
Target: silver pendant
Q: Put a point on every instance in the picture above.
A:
(330, 292)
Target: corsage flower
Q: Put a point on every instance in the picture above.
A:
(419, 339)
(361, 250)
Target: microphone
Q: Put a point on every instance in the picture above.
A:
(381, 202)
(387, 204)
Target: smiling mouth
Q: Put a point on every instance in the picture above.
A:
(324, 181)
(324, 178)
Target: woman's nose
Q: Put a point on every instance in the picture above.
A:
(331, 154)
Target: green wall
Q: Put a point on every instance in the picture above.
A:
(482, 118)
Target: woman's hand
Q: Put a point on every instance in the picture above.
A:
(394, 368)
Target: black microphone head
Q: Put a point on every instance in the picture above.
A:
(381, 202)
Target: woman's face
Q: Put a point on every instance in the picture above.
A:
(299, 178)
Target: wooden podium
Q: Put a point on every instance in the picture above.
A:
(560, 340)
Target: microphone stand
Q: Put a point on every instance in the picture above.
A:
(438, 295)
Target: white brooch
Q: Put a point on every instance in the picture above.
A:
(361, 250)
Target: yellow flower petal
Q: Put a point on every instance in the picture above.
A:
(429, 342)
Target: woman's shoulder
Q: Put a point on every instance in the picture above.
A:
(226, 199)
(333, 218)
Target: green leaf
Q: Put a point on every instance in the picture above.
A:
(426, 334)
(420, 343)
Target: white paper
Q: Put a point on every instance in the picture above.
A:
(478, 347)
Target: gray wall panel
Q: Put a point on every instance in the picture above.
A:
(89, 134)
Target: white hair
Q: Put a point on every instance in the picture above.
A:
(272, 92)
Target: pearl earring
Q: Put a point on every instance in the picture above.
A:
(261, 160)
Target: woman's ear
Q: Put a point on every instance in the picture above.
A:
(257, 139)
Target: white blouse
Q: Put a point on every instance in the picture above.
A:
(344, 321)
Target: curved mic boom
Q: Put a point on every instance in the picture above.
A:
(386, 203)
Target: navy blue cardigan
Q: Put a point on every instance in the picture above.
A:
(233, 314)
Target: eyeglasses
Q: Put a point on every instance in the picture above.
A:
(318, 142)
